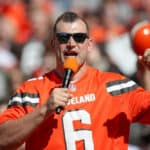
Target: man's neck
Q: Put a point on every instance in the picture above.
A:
(59, 71)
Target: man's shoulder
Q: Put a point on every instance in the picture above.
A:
(104, 75)
(47, 77)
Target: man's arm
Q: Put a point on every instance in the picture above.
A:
(14, 132)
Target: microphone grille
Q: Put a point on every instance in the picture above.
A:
(71, 63)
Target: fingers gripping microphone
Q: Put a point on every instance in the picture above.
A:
(70, 67)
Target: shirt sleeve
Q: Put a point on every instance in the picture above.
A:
(22, 102)
(139, 106)
(14, 112)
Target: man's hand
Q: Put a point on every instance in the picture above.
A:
(145, 59)
(58, 97)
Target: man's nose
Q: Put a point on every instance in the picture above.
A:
(70, 46)
(71, 40)
(71, 43)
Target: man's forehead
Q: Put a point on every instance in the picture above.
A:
(76, 26)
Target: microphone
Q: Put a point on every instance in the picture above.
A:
(70, 67)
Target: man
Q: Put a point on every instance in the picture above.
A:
(96, 109)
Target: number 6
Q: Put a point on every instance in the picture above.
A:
(71, 135)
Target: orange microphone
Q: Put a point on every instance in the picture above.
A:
(140, 37)
(70, 67)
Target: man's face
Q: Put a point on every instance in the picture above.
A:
(76, 46)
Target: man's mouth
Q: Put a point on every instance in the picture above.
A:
(70, 53)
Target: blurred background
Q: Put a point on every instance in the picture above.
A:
(25, 30)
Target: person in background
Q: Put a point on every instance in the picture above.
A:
(96, 109)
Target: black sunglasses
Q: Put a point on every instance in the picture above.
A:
(64, 37)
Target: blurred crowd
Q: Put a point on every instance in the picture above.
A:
(25, 48)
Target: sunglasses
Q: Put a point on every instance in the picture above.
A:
(63, 37)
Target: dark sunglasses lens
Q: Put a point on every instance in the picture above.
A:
(63, 37)
(80, 37)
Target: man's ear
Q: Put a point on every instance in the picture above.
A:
(52, 39)
(52, 43)
(90, 44)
